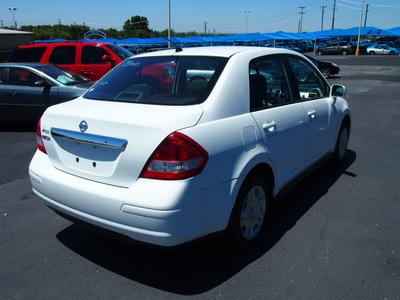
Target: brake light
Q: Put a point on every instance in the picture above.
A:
(177, 157)
(39, 138)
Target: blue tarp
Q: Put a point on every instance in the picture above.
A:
(369, 30)
(253, 37)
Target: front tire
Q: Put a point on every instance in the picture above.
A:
(250, 212)
(341, 144)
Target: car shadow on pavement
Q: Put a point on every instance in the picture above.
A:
(200, 266)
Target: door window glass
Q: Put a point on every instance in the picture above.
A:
(268, 84)
(3, 75)
(310, 85)
(63, 55)
(23, 77)
(93, 55)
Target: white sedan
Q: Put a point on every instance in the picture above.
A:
(174, 145)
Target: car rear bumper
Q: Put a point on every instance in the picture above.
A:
(166, 214)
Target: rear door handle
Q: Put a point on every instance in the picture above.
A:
(13, 93)
(269, 127)
(312, 114)
(87, 72)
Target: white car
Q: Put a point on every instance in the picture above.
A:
(174, 145)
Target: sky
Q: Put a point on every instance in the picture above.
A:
(205, 16)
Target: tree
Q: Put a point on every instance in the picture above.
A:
(136, 23)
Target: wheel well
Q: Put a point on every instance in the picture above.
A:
(265, 171)
(346, 122)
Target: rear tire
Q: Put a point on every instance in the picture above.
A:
(326, 72)
(250, 212)
(371, 53)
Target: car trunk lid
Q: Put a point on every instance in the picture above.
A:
(110, 142)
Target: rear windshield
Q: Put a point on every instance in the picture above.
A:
(33, 54)
(164, 80)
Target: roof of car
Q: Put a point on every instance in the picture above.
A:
(64, 43)
(221, 51)
(22, 64)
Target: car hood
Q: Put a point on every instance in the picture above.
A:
(110, 142)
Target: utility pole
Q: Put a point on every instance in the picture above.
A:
(59, 26)
(247, 20)
(322, 21)
(333, 17)
(169, 23)
(205, 28)
(366, 14)
(301, 18)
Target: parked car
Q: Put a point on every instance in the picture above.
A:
(90, 59)
(27, 89)
(336, 48)
(327, 68)
(236, 127)
(382, 49)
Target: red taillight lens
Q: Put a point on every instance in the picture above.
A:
(39, 139)
(177, 157)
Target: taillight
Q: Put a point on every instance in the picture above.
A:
(177, 157)
(39, 139)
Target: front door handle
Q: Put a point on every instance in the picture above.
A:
(269, 126)
(13, 93)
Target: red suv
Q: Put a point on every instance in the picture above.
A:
(90, 59)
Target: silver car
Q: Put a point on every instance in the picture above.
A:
(27, 89)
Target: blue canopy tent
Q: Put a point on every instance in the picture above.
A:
(367, 31)
(395, 30)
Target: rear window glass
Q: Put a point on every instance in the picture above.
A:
(164, 80)
(33, 54)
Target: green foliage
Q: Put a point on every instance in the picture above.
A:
(136, 26)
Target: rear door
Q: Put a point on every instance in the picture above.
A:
(3, 97)
(281, 120)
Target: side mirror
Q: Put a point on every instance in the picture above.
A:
(108, 59)
(42, 83)
(337, 90)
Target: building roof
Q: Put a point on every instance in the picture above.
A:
(10, 31)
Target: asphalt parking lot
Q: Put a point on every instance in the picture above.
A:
(334, 236)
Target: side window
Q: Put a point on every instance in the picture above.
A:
(3, 72)
(63, 55)
(23, 77)
(93, 55)
(268, 84)
(310, 85)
